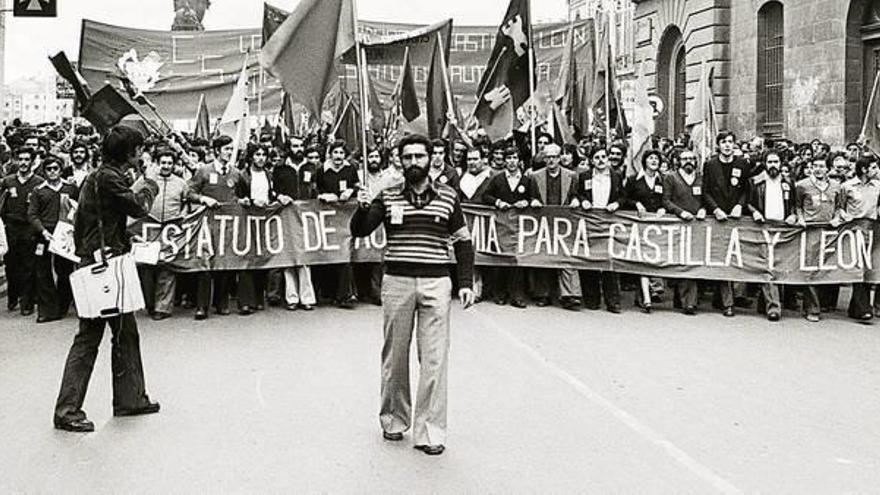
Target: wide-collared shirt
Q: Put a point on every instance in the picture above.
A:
(601, 188)
(471, 182)
(774, 203)
(259, 186)
(817, 201)
(686, 177)
(860, 198)
(513, 179)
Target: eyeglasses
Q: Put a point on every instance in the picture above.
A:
(53, 169)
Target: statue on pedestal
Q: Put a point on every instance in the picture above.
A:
(188, 15)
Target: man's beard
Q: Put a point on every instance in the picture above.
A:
(298, 156)
(415, 174)
(374, 167)
(773, 172)
(689, 169)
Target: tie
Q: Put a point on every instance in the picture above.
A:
(225, 169)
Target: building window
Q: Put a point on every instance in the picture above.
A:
(771, 69)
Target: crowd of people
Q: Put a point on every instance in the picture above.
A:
(761, 179)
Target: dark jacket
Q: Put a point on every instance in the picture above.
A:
(115, 202)
(584, 189)
(222, 188)
(638, 191)
(725, 185)
(567, 186)
(449, 177)
(678, 196)
(758, 195)
(243, 187)
(498, 188)
(45, 206)
(297, 184)
(329, 180)
(16, 199)
(479, 193)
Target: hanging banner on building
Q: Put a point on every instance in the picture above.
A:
(173, 68)
(311, 233)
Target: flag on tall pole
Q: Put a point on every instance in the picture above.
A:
(405, 96)
(233, 123)
(870, 135)
(703, 118)
(77, 81)
(642, 123)
(203, 121)
(435, 97)
(302, 52)
(506, 83)
(106, 108)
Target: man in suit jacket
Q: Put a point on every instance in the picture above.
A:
(472, 189)
(683, 197)
(511, 189)
(555, 185)
(725, 192)
(599, 188)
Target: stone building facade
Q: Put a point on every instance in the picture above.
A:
(794, 68)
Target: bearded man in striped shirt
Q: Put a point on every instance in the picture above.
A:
(421, 218)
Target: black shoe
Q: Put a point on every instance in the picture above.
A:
(570, 303)
(615, 308)
(348, 303)
(690, 310)
(728, 312)
(76, 426)
(593, 307)
(223, 311)
(392, 437)
(27, 312)
(291, 307)
(259, 307)
(149, 408)
(245, 310)
(518, 303)
(160, 315)
(774, 316)
(501, 301)
(47, 319)
(307, 307)
(431, 449)
(201, 314)
(12, 305)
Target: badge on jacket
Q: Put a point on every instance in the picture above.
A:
(307, 176)
(734, 181)
(521, 189)
(444, 179)
(396, 215)
(13, 192)
(698, 191)
(213, 179)
(343, 185)
(588, 184)
(658, 189)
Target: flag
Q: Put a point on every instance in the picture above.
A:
(572, 84)
(303, 50)
(560, 128)
(505, 85)
(870, 135)
(437, 105)
(375, 112)
(234, 120)
(702, 116)
(106, 108)
(643, 123)
(406, 95)
(348, 124)
(605, 82)
(203, 121)
(65, 69)
(273, 17)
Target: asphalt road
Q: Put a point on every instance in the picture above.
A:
(541, 401)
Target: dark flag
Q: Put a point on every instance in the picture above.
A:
(203, 121)
(870, 135)
(80, 86)
(437, 105)
(505, 85)
(409, 100)
(272, 19)
(106, 108)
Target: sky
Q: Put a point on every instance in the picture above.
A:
(29, 41)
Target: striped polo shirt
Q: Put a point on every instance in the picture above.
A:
(418, 228)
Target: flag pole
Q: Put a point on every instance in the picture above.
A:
(863, 135)
(531, 55)
(608, 61)
(361, 68)
(447, 90)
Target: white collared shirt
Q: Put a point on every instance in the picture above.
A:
(218, 167)
(513, 180)
(471, 182)
(774, 204)
(601, 189)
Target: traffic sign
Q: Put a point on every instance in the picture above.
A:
(35, 8)
(658, 105)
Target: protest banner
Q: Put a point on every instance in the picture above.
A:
(173, 68)
(310, 233)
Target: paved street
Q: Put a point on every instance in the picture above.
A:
(541, 400)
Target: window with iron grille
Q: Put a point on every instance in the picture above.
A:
(771, 69)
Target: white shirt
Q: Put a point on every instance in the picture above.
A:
(686, 177)
(218, 167)
(471, 182)
(513, 180)
(79, 175)
(774, 206)
(259, 186)
(601, 189)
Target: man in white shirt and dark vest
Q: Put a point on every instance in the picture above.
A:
(420, 219)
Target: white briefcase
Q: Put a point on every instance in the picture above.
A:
(107, 290)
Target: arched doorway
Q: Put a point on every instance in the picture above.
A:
(672, 83)
(862, 60)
